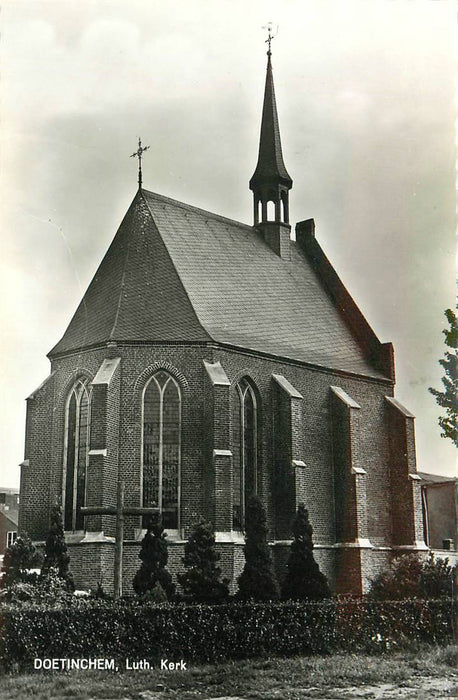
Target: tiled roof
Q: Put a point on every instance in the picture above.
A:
(175, 272)
(9, 515)
(135, 294)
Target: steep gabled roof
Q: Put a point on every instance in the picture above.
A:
(178, 273)
(135, 294)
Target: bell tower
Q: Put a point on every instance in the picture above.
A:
(271, 182)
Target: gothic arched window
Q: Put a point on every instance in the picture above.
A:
(271, 211)
(162, 447)
(76, 453)
(246, 462)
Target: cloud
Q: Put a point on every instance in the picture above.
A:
(365, 98)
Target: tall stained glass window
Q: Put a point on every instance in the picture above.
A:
(76, 454)
(246, 462)
(162, 447)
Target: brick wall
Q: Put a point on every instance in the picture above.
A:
(36, 477)
(407, 519)
(314, 445)
(218, 456)
(210, 421)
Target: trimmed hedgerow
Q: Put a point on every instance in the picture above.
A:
(364, 624)
(205, 633)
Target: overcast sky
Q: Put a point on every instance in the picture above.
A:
(365, 94)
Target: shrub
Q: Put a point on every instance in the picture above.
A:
(19, 558)
(304, 580)
(155, 595)
(154, 556)
(412, 577)
(364, 624)
(99, 593)
(212, 633)
(56, 557)
(201, 580)
(50, 590)
(437, 578)
(257, 580)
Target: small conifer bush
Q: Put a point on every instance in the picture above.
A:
(56, 556)
(201, 581)
(304, 580)
(257, 580)
(153, 569)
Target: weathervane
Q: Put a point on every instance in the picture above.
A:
(138, 154)
(270, 36)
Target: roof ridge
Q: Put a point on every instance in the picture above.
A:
(198, 210)
(121, 286)
(179, 277)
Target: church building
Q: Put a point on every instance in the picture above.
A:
(209, 360)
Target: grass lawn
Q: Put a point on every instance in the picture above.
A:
(335, 676)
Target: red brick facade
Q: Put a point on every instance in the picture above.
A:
(333, 441)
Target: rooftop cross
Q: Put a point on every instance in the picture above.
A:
(270, 36)
(138, 154)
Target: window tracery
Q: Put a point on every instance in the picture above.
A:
(246, 467)
(76, 453)
(162, 447)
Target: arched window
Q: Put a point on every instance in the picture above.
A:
(271, 211)
(246, 463)
(76, 453)
(284, 207)
(257, 211)
(162, 447)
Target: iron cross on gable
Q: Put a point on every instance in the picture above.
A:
(138, 154)
(119, 511)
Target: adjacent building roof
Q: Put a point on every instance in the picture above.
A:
(436, 478)
(178, 273)
(10, 517)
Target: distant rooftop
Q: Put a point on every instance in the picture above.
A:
(436, 478)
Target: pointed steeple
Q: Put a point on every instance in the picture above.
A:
(271, 168)
(271, 181)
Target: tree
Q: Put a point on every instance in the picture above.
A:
(437, 577)
(19, 558)
(56, 556)
(153, 570)
(257, 580)
(412, 577)
(201, 580)
(304, 580)
(447, 399)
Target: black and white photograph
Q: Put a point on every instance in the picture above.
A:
(228, 349)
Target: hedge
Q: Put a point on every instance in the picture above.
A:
(205, 633)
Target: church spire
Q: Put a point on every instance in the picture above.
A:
(270, 182)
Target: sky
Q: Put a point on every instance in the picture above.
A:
(365, 94)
